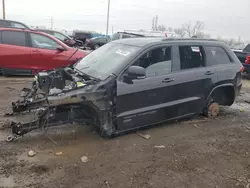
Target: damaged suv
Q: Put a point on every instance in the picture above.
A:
(132, 83)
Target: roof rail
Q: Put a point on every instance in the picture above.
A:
(139, 35)
(11, 27)
(194, 39)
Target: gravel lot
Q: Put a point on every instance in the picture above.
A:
(197, 153)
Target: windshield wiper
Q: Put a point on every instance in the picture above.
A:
(91, 77)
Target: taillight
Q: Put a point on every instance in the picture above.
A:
(247, 61)
(242, 69)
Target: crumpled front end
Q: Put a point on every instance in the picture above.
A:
(62, 96)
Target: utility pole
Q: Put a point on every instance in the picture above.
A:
(3, 1)
(112, 30)
(107, 27)
(51, 23)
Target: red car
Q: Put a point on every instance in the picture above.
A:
(26, 52)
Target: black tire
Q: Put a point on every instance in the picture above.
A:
(4, 73)
(96, 46)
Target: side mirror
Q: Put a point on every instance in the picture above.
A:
(135, 73)
(60, 48)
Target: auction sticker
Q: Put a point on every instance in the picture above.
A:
(122, 52)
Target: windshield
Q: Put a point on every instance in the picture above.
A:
(105, 60)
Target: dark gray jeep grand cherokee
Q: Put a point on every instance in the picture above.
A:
(132, 83)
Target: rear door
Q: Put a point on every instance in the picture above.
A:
(193, 79)
(220, 60)
(14, 50)
(44, 53)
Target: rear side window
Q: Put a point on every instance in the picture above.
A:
(216, 56)
(4, 23)
(191, 57)
(18, 25)
(14, 38)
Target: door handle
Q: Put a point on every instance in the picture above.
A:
(35, 51)
(167, 80)
(209, 73)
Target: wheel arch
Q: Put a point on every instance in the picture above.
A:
(223, 94)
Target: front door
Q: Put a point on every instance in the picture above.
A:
(44, 53)
(147, 101)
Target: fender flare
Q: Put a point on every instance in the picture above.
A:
(219, 86)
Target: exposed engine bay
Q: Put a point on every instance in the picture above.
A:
(62, 96)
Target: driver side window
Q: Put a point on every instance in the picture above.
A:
(156, 62)
(60, 36)
(43, 42)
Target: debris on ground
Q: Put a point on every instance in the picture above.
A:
(84, 159)
(31, 153)
(146, 136)
(241, 110)
(58, 153)
(160, 147)
(196, 126)
(247, 102)
(196, 121)
(106, 183)
(5, 124)
(247, 128)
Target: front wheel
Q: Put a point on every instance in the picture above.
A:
(96, 46)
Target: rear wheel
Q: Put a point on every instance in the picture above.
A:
(211, 109)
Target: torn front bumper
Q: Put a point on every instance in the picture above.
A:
(79, 105)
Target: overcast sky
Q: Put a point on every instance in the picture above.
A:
(226, 18)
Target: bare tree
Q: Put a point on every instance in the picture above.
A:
(180, 31)
(203, 35)
(191, 30)
(170, 29)
(161, 28)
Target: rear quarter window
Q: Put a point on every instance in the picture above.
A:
(216, 56)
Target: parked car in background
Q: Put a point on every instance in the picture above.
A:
(14, 24)
(244, 57)
(131, 83)
(96, 42)
(63, 37)
(26, 52)
(82, 35)
(124, 35)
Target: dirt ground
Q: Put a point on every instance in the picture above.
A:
(194, 154)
